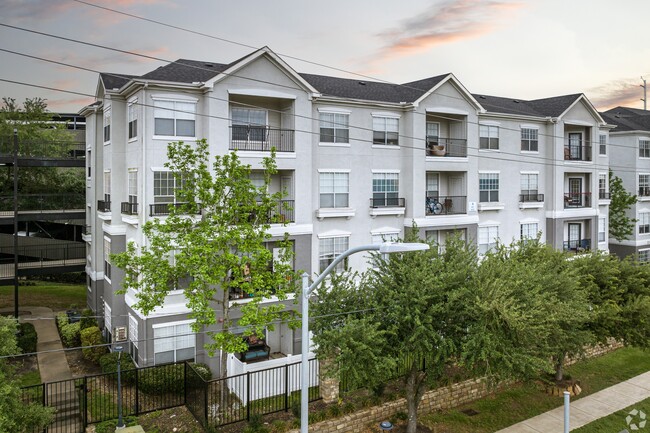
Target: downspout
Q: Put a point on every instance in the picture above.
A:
(144, 195)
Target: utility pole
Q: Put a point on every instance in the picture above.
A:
(16, 223)
(644, 99)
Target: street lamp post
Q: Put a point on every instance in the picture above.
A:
(120, 421)
(307, 290)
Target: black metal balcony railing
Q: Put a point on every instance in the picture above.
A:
(387, 202)
(128, 208)
(86, 230)
(451, 147)
(577, 199)
(261, 138)
(578, 245)
(103, 205)
(285, 212)
(577, 152)
(54, 149)
(603, 195)
(527, 198)
(48, 251)
(446, 205)
(162, 209)
(644, 191)
(44, 202)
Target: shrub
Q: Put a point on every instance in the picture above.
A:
(61, 321)
(108, 364)
(91, 337)
(27, 337)
(279, 426)
(295, 409)
(334, 410)
(70, 335)
(87, 320)
(162, 379)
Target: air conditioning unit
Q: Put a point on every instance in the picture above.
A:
(119, 333)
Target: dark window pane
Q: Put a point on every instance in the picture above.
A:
(185, 128)
(164, 126)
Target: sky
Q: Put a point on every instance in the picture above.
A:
(524, 49)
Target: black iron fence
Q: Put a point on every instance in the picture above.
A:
(43, 202)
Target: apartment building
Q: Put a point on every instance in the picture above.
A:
(361, 161)
(630, 160)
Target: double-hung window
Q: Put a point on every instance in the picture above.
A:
(248, 124)
(602, 233)
(107, 125)
(528, 231)
(334, 189)
(385, 130)
(488, 137)
(108, 322)
(334, 128)
(133, 337)
(644, 148)
(329, 249)
(488, 185)
(173, 343)
(133, 187)
(107, 186)
(602, 144)
(644, 256)
(133, 119)
(529, 187)
(644, 185)
(164, 187)
(602, 186)
(644, 223)
(385, 189)
(174, 118)
(107, 259)
(529, 141)
(487, 238)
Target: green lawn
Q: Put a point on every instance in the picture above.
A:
(57, 296)
(523, 401)
(617, 421)
(29, 378)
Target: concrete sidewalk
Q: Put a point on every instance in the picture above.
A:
(588, 409)
(53, 366)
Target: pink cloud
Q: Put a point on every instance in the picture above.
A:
(69, 104)
(625, 92)
(452, 21)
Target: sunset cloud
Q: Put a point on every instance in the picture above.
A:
(444, 23)
(624, 92)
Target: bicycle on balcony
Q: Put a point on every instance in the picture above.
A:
(434, 206)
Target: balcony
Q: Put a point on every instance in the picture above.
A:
(103, 205)
(578, 246)
(86, 230)
(531, 198)
(577, 200)
(446, 205)
(387, 202)
(577, 152)
(644, 191)
(162, 209)
(450, 147)
(128, 208)
(261, 138)
(603, 195)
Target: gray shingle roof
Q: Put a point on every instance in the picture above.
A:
(186, 71)
(555, 105)
(552, 107)
(628, 119)
(114, 80)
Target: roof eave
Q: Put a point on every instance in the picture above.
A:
(468, 96)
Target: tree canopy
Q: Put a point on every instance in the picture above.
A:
(621, 226)
(217, 254)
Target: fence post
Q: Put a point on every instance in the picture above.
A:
(286, 387)
(205, 403)
(137, 397)
(248, 396)
(44, 398)
(85, 401)
(185, 383)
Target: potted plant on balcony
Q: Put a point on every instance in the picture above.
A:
(438, 150)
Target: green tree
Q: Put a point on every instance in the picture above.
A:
(621, 226)
(633, 327)
(15, 415)
(440, 307)
(216, 255)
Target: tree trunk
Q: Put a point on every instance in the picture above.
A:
(414, 392)
(559, 367)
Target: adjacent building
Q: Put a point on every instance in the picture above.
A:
(361, 162)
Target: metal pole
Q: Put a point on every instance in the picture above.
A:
(120, 421)
(566, 411)
(15, 223)
(304, 380)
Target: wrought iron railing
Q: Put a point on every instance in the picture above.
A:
(446, 205)
(577, 245)
(450, 147)
(577, 152)
(261, 138)
(128, 208)
(162, 209)
(603, 195)
(387, 202)
(103, 205)
(577, 199)
(526, 198)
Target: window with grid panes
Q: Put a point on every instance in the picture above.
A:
(385, 130)
(385, 189)
(602, 144)
(602, 233)
(334, 189)
(107, 258)
(329, 249)
(334, 128)
(133, 119)
(644, 185)
(644, 148)
(487, 238)
(108, 323)
(174, 118)
(529, 186)
(528, 231)
(173, 343)
(488, 185)
(488, 137)
(107, 186)
(107, 125)
(644, 223)
(133, 337)
(602, 185)
(133, 186)
(644, 256)
(433, 185)
(164, 185)
(248, 124)
(529, 140)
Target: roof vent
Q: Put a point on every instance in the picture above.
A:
(515, 101)
(481, 96)
(209, 65)
(363, 83)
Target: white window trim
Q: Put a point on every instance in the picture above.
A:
(334, 234)
(107, 111)
(521, 128)
(387, 114)
(388, 171)
(334, 110)
(171, 98)
(166, 324)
